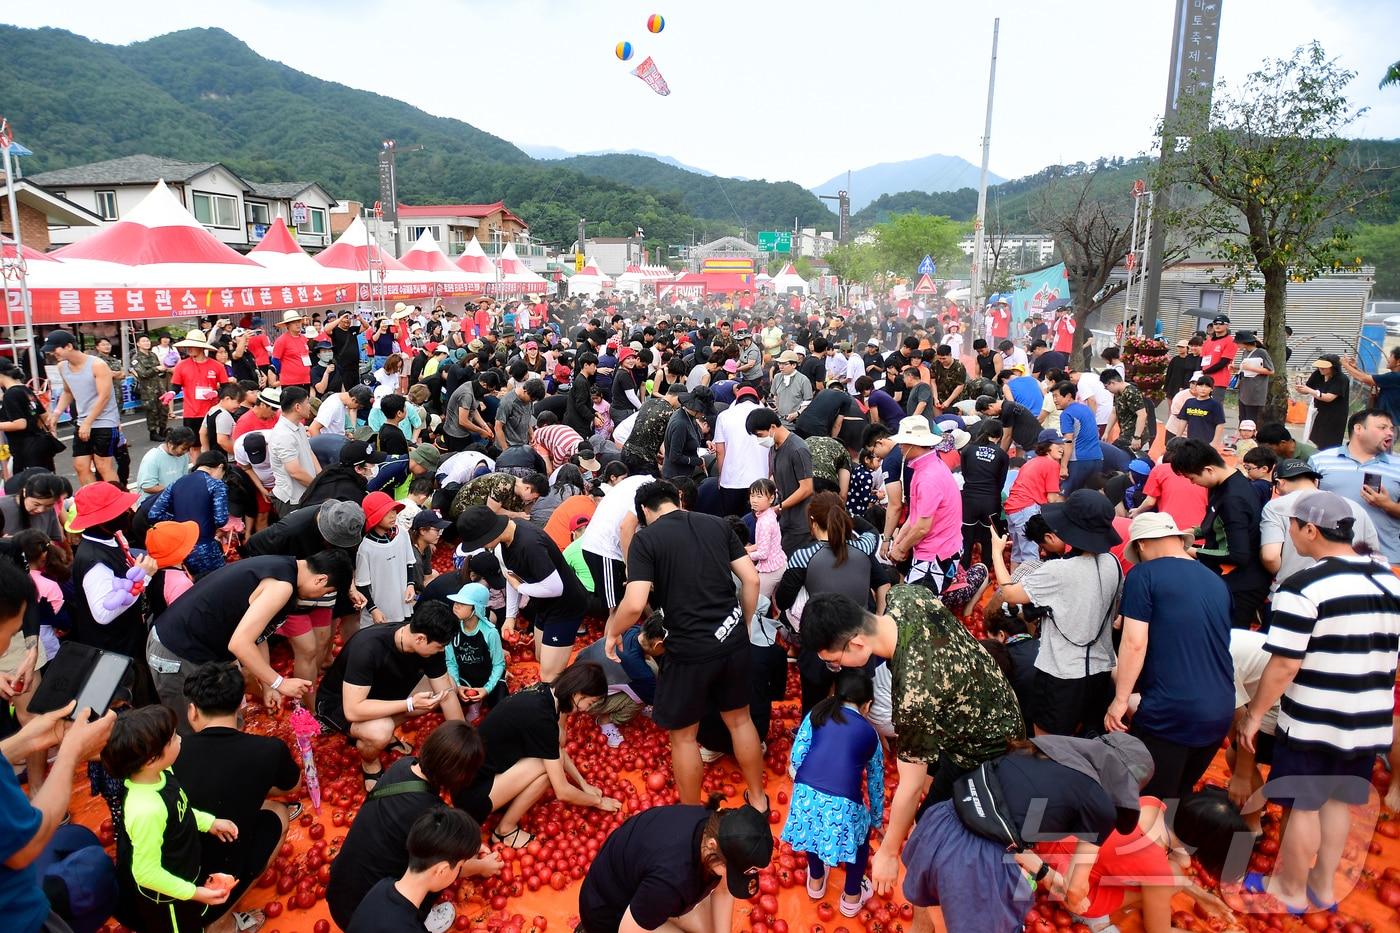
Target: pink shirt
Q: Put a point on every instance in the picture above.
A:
(934, 493)
(768, 553)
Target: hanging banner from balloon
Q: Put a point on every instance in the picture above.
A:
(649, 73)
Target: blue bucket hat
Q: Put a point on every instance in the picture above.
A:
(474, 595)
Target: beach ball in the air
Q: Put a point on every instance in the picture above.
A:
(656, 22)
(624, 50)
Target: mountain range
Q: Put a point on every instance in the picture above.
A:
(555, 153)
(934, 173)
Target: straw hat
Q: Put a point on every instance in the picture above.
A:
(915, 429)
(195, 338)
(290, 317)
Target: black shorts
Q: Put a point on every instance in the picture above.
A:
(609, 578)
(557, 633)
(686, 690)
(245, 858)
(101, 442)
(475, 801)
(1305, 776)
(1067, 707)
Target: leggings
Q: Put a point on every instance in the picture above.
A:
(855, 871)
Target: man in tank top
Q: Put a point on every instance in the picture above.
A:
(88, 385)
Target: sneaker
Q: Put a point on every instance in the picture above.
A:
(612, 733)
(850, 910)
(708, 756)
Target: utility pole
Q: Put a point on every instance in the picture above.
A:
(1195, 38)
(979, 234)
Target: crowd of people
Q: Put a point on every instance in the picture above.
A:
(731, 487)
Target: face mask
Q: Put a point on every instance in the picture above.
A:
(324, 357)
(765, 442)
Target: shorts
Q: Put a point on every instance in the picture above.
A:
(101, 442)
(1022, 548)
(686, 690)
(246, 858)
(558, 634)
(476, 799)
(1063, 707)
(1306, 776)
(609, 577)
(299, 623)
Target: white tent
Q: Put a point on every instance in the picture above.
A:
(427, 259)
(788, 281)
(589, 280)
(514, 271)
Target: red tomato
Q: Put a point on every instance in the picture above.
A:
(540, 923)
(1388, 893)
(322, 926)
(558, 881)
(1390, 829)
(656, 782)
(272, 909)
(768, 904)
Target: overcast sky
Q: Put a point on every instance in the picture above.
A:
(799, 91)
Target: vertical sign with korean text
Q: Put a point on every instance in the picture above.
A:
(1193, 50)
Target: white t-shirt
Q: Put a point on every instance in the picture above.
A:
(263, 470)
(603, 534)
(461, 467)
(331, 415)
(1089, 387)
(1247, 651)
(744, 460)
(624, 429)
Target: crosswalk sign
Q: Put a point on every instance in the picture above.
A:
(928, 267)
(925, 286)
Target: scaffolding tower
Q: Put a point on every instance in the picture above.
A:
(1137, 262)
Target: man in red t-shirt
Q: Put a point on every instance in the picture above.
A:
(261, 348)
(198, 377)
(262, 416)
(1063, 330)
(481, 321)
(292, 353)
(1217, 353)
(1169, 492)
(1000, 316)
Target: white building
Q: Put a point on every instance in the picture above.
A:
(234, 210)
(1018, 251)
(812, 244)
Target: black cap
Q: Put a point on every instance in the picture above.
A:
(485, 565)
(429, 518)
(1221, 319)
(255, 446)
(746, 843)
(58, 338)
(1292, 468)
(354, 453)
(478, 525)
(1247, 336)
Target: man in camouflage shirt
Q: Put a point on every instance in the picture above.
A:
(949, 378)
(152, 381)
(1131, 412)
(500, 487)
(649, 430)
(831, 465)
(949, 699)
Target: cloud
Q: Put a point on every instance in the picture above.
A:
(771, 90)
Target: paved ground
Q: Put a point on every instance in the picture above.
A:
(133, 426)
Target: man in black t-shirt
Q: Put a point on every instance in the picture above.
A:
(684, 562)
(368, 690)
(228, 615)
(827, 413)
(224, 770)
(440, 843)
(554, 599)
(1023, 425)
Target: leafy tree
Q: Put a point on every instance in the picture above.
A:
(1092, 234)
(1379, 246)
(1280, 187)
(854, 262)
(905, 239)
(1392, 75)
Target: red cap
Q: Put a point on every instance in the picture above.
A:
(625, 353)
(376, 505)
(741, 325)
(748, 391)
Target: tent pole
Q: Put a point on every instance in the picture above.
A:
(24, 300)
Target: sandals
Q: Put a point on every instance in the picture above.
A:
(510, 838)
(294, 809)
(399, 747)
(248, 921)
(371, 777)
(1256, 882)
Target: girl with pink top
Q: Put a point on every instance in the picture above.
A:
(767, 549)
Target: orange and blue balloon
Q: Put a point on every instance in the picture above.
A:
(656, 22)
(624, 50)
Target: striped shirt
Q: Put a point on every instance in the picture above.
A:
(1344, 474)
(1341, 618)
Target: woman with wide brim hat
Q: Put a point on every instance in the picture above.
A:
(195, 340)
(1074, 670)
(106, 610)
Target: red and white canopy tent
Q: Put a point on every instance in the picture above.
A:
(427, 258)
(516, 277)
(377, 275)
(280, 253)
(589, 280)
(789, 281)
(475, 262)
(157, 262)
